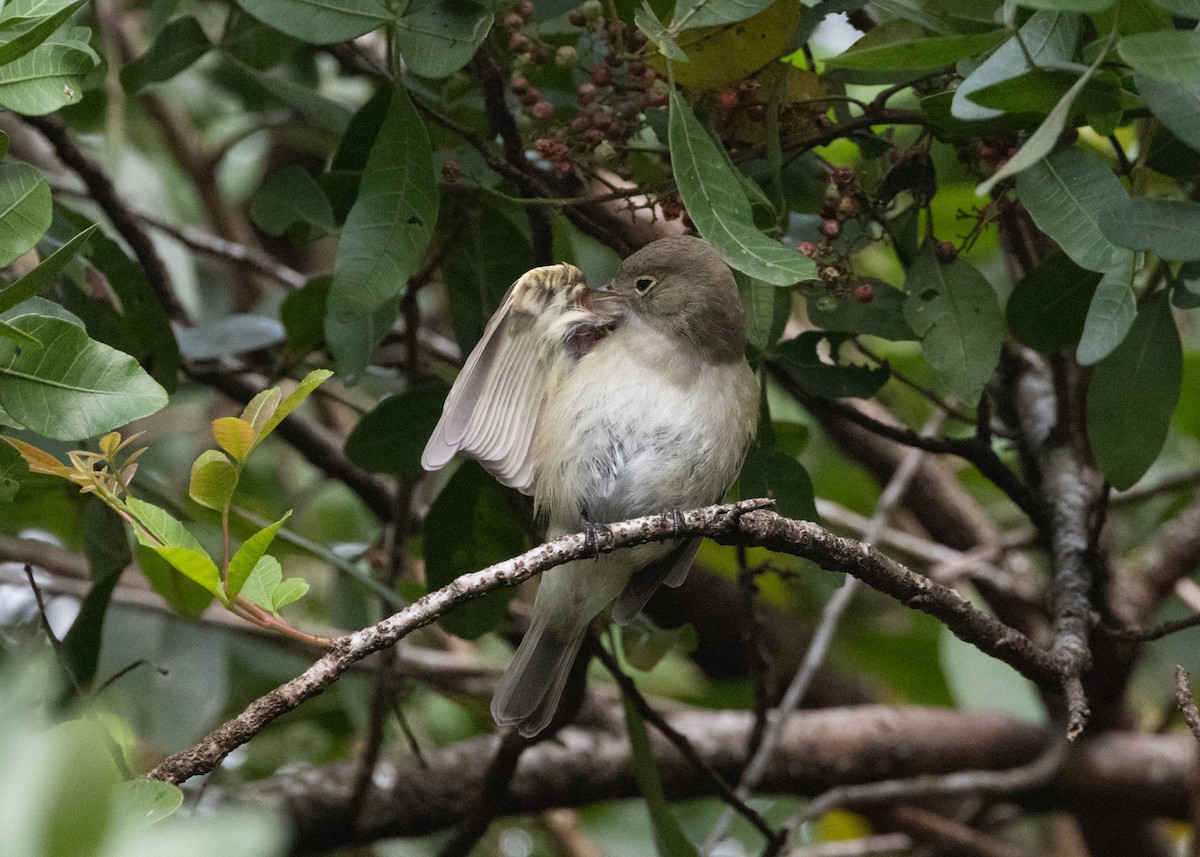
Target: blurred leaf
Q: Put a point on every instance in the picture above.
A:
(293, 400)
(720, 210)
(801, 359)
(437, 37)
(108, 553)
(1172, 56)
(13, 468)
(883, 316)
(644, 645)
(766, 311)
(266, 587)
(37, 279)
(1046, 38)
(771, 473)
(290, 196)
(954, 311)
(1068, 5)
(391, 438)
(320, 22)
(214, 479)
(185, 596)
(179, 45)
(242, 563)
(915, 174)
(302, 313)
(669, 840)
(1183, 8)
(690, 14)
(1132, 395)
(1040, 90)
(229, 335)
(980, 682)
(646, 21)
(1176, 105)
(1046, 310)
(1110, 315)
(790, 438)
(927, 53)
(27, 23)
(1168, 227)
(25, 210)
(254, 43)
(353, 341)
(74, 387)
(1186, 293)
(471, 526)
(1066, 195)
(720, 55)
(141, 802)
(170, 540)
(322, 112)
(388, 228)
(50, 76)
(235, 435)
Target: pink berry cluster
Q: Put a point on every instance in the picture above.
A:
(609, 102)
(843, 200)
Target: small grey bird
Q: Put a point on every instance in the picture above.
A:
(631, 399)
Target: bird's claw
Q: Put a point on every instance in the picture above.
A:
(594, 535)
(672, 517)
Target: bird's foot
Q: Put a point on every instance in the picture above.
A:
(595, 535)
(672, 517)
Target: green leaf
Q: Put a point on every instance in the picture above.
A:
(438, 37)
(882, 317)
(1046, 38)
(1065, 194)
(262, 582)
(1176, 105)
(50, 76)
(292, 589)
(214, 479)
(389, 226)
(28, 23)
(185, 596)
(108, 553)
(1168, 227)
(772, 473)
(713, 13)
(766, 310)
(646, 21)
(1046, 310)
(801, 359)
(1110, 315)
(720, 210)
(73, 387)
(18, 336)
(302, 313)
(1040, 90)
(391, 438)
(669, 840)
(170, 540)
(1172, 56)
(291, 196)
(320, 22)
(25, 210)
(141, 802)
(1046, 137)
(924, 54)
(470, 526)
(37, 279)
(353, 341)
(322, 112)
(294, 399)
(954, 311)
(1068, 5)
(180, 44)
(229, 334)
(1183, 8)
(13, 468)
(644, 645)
(242, 563)
(1186, 291)
(254, 43)
(1132, 395)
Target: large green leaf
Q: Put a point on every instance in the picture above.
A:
(389, 226)
(50, 76)
(1046, 310)
(954, 311)
(214, 479)
(1110, 315)
(1132, 395)
(391, 438)
(713, 13)
(669, 840)
(1176, 105)
(242, 563)
(73, 387)
(1169, 227)
(1046, 38)
(470, 526)
(438, 37)
(320, 22)
(1169, 55)
(267, 588)
(719, 208)
(1066, 193)
(288, 197)
(170, 540)
(322, 112)
(801, 359)
(773, 473)
(108, 553)
(180, 44)
(25, 210)
(922, 54)
(27, 23)
(37, 279)
(883, 316)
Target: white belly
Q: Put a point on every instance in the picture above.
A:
(634, 430)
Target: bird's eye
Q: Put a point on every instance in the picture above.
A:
(643, 284)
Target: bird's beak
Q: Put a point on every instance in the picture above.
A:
(608, 292)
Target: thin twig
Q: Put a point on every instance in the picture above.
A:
(1187, 705)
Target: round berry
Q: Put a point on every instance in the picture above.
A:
(637, 68)
(864, 293)
(843, 177)
(586, 93)
(542, 110)
(847, 206)
(576, 18)
(525, 7)
(830, 228)
(519, 43)
(827, 303)
(519, 84)
(530, 96)
(561, 169)
(831, 274)
(727, 99)
(808, 248)
(513, 21)
(451, 172)
(565, 56)
(602, 75)
(605, 153)
(946, 252)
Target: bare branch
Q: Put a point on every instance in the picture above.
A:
(1187, 705)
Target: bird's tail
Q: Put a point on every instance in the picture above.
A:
(530, 689)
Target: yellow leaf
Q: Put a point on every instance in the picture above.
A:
(38, 460)
(234, 435)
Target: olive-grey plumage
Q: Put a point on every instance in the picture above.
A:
(642, 402)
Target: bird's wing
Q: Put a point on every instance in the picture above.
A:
(535, 337)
